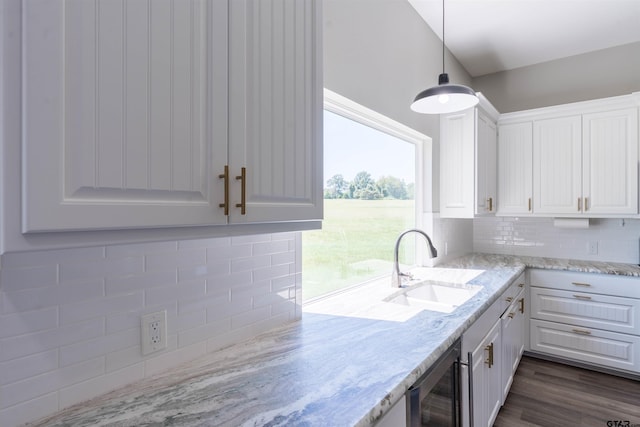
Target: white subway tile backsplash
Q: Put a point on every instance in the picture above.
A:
(182, 258)
(272, 247)
(38, 385)
(126, 284)
(617, 239)
(243, 264)
(162, 362)
(211, 269)
(70, 313)
(86, 350)
(32, 343)
(17, 279)
(96, 386)
(30, 410)
(184, 290)
(106, 267)
(28, 366)
(70, 319)
(228, 252)
(28, 322)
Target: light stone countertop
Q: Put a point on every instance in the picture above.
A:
(348, 360)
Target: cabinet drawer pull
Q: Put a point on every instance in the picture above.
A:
(489, 361)
(511, 315)
(579, 204)
(586, 204)
(243, 191)
(225, 176)
(581, 284)
(521, 285)
(529, 204)
(581, 332)
(490, 201)
(584, 297)
(521, 300)
(509, 299)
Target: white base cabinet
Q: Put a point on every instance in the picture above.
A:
(592, 318)
(491, 351)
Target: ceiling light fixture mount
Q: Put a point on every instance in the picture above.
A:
(446, 97)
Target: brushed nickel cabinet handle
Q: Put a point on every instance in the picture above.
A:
(509, 299)
(511, 315)
(586, 285)
(243, 191)
(586, 206)
(521, 305)
(581, 332)
(579, 204)
(584, 297)
(225, 176)
(521, 285)
(490, 200)
(529, 204)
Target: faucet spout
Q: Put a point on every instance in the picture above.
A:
(396, 276)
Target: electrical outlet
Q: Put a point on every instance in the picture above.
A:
(154, 332)
(592, 247)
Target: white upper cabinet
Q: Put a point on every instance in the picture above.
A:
(468, 162)
(557, 165)
(610, 162)
(125, 119)
(515, 181)
(585, 159)
(132, 110)
(276, 109)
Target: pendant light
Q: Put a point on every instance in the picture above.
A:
(446, 97)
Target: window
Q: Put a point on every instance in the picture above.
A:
(371, 165)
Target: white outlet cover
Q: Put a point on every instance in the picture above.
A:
(153, 327)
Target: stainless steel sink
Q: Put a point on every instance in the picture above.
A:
(443, 297)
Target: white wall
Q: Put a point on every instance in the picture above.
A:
(617, 240)
(70, 319)
(381, 54)
(600, 74)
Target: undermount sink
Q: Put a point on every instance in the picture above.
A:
(442, 297)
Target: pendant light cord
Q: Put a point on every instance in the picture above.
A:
(442, 36)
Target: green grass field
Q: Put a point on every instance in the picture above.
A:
(355, 244)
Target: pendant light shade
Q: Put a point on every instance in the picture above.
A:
(446, 97)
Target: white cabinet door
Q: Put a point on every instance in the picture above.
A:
(457, 150)
(515, 143)
(124, 107)
(485, 371)
(610, 162)
(486, 164)
(276, 110)
(557, 166)
(513, 333)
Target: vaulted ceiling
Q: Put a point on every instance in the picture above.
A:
(488, 36)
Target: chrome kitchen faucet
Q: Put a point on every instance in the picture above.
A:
(396, 276)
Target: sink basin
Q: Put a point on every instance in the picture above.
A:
(436, 296)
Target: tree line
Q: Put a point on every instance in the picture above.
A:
(364, 187)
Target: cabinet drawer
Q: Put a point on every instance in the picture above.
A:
(614, 314)
(509, 296)
(608, 284)
(611, 349)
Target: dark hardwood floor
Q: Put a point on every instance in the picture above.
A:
(550, 394)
